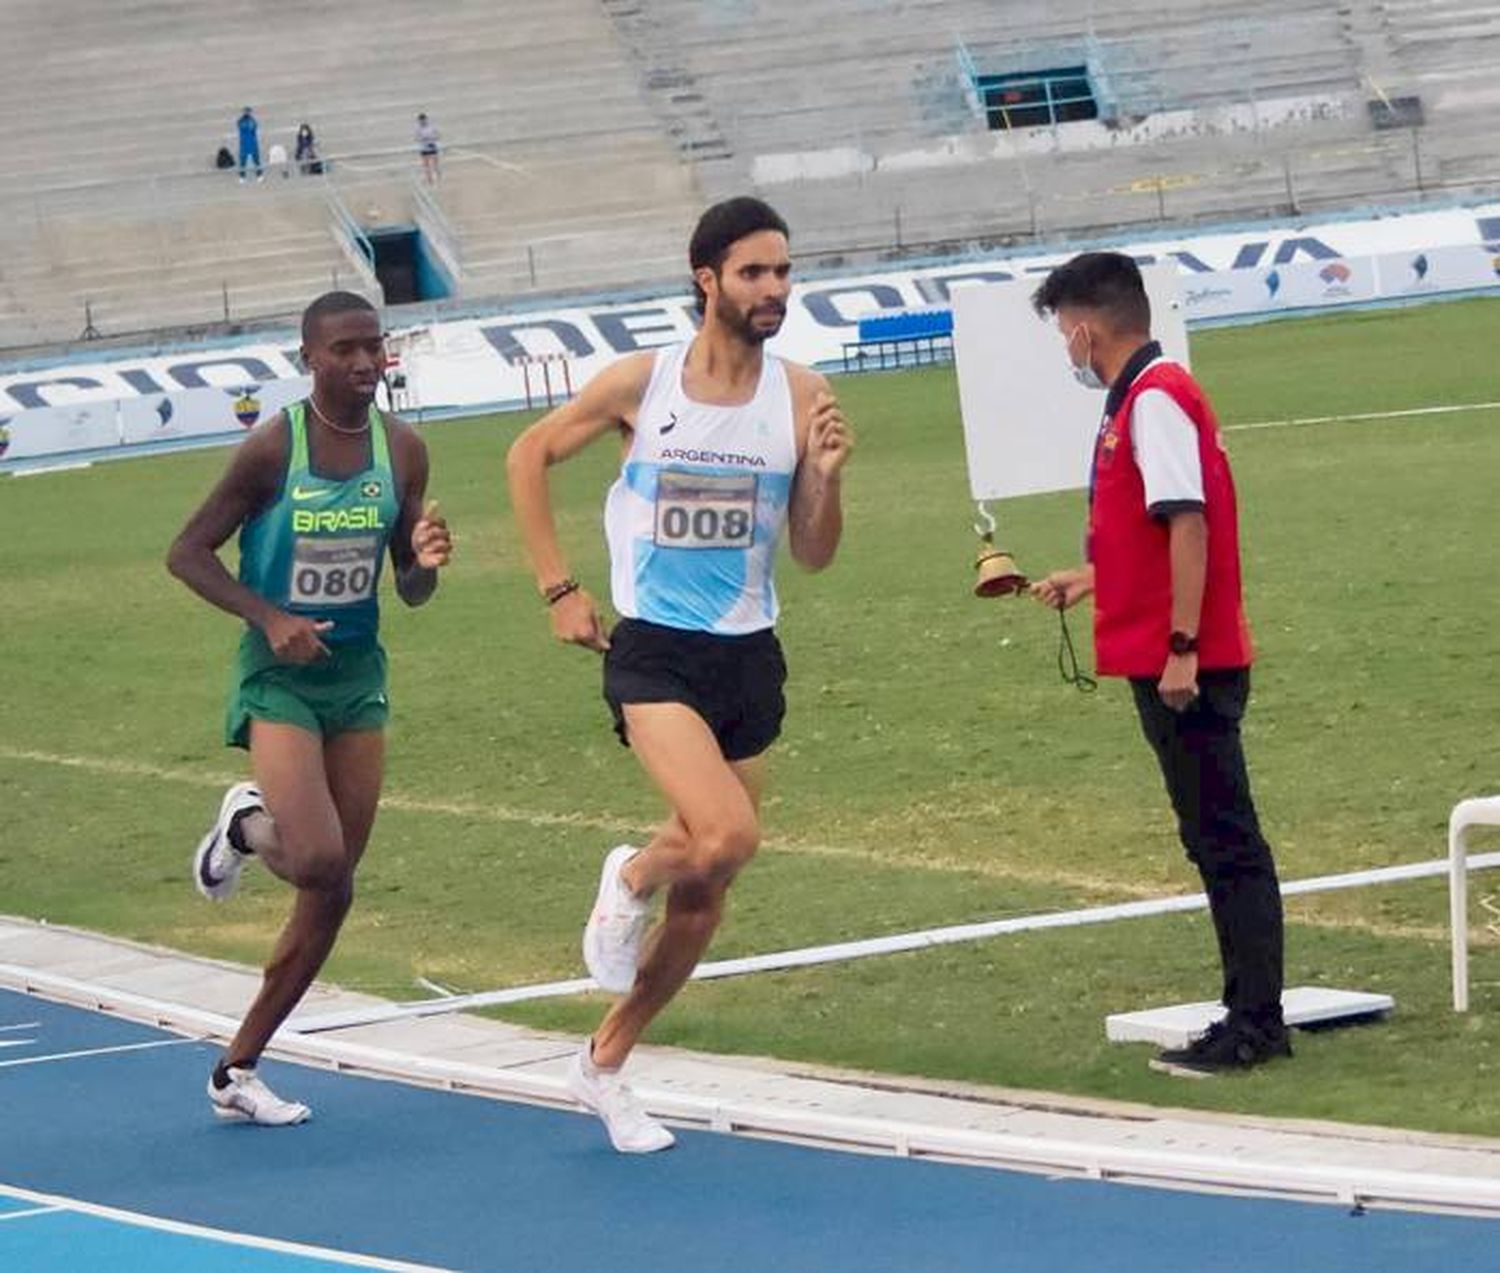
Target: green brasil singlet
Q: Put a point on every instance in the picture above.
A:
(317, 549)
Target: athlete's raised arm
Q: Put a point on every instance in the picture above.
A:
(607, 403)
(421, 543)
(815, 518)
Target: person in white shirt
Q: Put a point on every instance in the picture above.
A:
(427, 147)
(724, 448)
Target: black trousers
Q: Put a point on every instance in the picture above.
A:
(1203, 762)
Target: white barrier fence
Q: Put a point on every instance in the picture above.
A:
(110, 428)
(1480, 811)
(1349, 280)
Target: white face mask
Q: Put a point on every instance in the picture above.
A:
(1084, 372)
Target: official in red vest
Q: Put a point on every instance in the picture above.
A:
(1164, 571)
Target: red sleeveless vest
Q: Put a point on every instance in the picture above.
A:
(1129, 548)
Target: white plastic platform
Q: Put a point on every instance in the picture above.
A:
(1175, 1026)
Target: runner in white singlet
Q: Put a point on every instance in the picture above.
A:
(725, 448)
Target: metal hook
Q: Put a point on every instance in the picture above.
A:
(985, 526)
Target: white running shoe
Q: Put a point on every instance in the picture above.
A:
(247, 1100)
(217, 863)
(617, 924)
(631, 1130)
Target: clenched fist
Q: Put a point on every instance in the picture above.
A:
(431, 544)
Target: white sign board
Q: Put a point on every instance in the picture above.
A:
(105, 428)
(83, 426)
(1457, 267)
(197, 413)
(1028, 425)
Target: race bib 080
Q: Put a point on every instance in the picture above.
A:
(705, 510)
(334, 572)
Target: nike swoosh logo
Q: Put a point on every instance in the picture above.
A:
(298, 493)
(667, 428)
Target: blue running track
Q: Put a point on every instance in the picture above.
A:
(405, 1174)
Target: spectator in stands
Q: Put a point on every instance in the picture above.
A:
(307, 151)
(427, 147)
(249, 132)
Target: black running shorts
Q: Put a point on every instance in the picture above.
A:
(733, 682)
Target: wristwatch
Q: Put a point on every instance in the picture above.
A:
(1182, 643)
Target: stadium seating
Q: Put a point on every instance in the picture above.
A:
(850, 115)
(117, 110)
(883, 73)
(1446, 51)
(581, 138)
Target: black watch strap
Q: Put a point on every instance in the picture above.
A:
(1182, 643)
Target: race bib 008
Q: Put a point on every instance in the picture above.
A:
(705, 510)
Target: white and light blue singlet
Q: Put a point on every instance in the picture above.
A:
(695, 516)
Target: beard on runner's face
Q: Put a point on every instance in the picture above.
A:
(756, 324)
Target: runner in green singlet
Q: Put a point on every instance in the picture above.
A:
(319, 494)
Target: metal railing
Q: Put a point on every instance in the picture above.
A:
(439, 233)
(351, 237)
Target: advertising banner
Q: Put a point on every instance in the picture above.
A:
(84, 426)
(482, 362)
(1432, 271)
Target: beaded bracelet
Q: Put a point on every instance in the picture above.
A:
(554, 593)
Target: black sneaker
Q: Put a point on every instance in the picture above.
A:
(1223, 1046)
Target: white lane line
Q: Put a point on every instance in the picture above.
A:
(30, 1211)
(205, 1233)
(1357, 417)
(400, 803)
(112, 1051)
(607, 823)
(921, 939)
(16, 1043)
(501, 813)
(24, 1025)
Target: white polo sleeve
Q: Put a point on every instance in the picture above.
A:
(1165, 442)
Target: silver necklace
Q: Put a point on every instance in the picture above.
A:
(312, 401)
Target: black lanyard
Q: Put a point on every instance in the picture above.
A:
(1067, 660)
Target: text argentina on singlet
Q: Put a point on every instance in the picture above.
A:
(692, 456)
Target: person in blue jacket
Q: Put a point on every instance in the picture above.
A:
(249, 144)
